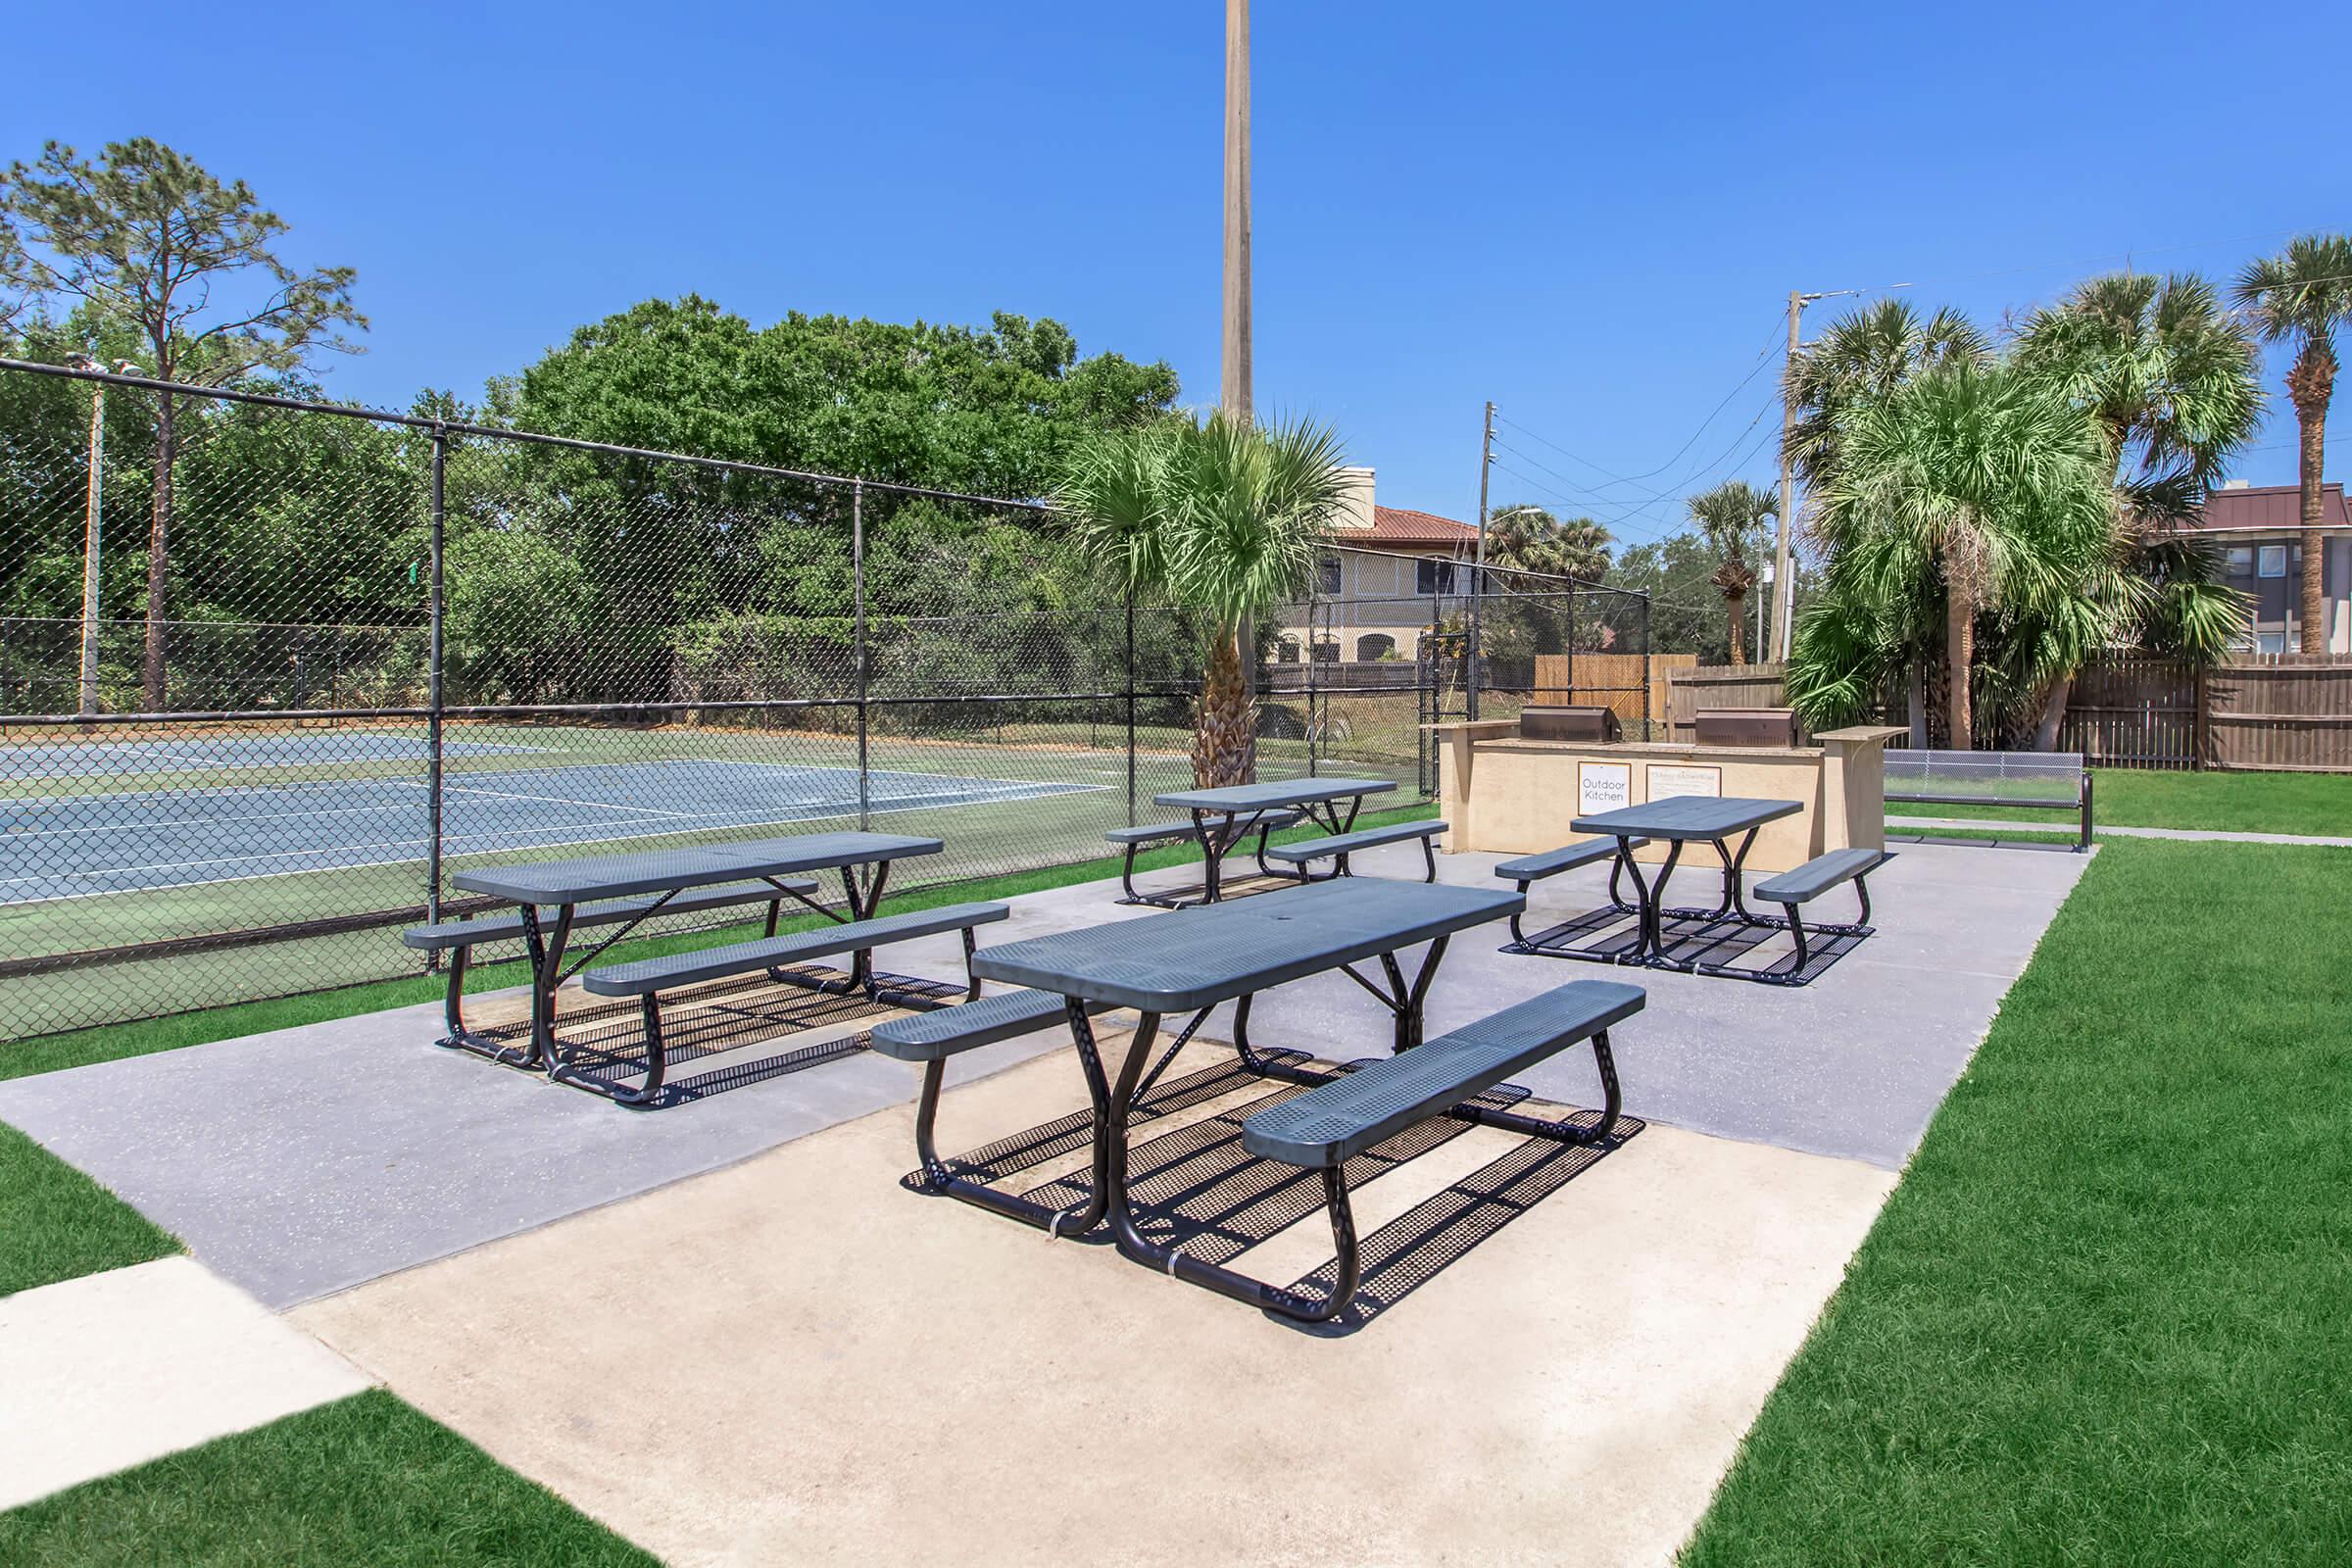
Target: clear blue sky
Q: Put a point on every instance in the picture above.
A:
(1592, 215)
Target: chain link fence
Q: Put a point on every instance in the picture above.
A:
(392, 647)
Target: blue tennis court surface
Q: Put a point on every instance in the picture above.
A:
(90, 843)
(105, 759)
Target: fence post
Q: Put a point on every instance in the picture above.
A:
(434, 700)
(2198, 720)
(866, 804)
(1129, 683)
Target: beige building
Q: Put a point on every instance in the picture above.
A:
(1380, 589)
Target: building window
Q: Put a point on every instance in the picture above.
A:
(2241, 561)
(2270, 642)
(1327, 577)
(1327, 652)
(1286, 651)
(1433, 577)
(2272, 562)
(1374, 645)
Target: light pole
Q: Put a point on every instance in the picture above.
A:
(90, 531)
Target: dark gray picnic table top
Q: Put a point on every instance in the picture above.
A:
(1211, 952)
(1267, 793)
(1686, 817)
(610, 876)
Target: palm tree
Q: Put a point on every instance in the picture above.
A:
(1866, 352)
(1529, 538)
(1732, 515)
(2170, 378)
(1226, 517)
(2301, 297)
(1980, 480)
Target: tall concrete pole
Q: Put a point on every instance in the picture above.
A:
(1234, 395)
(1783, 581)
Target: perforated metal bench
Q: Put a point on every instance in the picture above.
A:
(2023, 781)
(1810, 881)
(459, 938)
(1329, 1125)
(1338, 847)
(1530, 868)
(1134, 839)
(647, 978)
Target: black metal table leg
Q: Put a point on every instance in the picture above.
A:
(547, 972)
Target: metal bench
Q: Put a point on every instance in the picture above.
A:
(1337, 847)
(1810, 881)
(2024, 781)
(647, 978)
(459, 938)
(1551, 862)
(1133, 839)
(1331, 1124)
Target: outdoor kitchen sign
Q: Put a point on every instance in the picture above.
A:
(1603, 787)
(1666, 781)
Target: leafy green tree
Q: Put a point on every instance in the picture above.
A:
(1732, 518)
(1968, 487)
(1225, 517)
(1684, 609)
(149, 236)
(2301, 297)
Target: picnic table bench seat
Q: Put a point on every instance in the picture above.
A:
(931, 1037)
(1810, 881)
(1133, 839)
(459, 934)
(1529, 868)
(1338, 847)
(1331, 1124)
(647, 978)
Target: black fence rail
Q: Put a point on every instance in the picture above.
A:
(393, 647)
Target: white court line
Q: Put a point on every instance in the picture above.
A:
(419, 859)
(552, 800)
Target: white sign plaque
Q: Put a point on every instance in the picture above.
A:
(1668, 780)
(1603, 787)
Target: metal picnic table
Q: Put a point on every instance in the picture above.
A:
(1222, 817)
(1678, 820)
(862, 858)
(1194, 960)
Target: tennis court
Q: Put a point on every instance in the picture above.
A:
(71, 845)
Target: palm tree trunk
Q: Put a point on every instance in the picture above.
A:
(2311, 384)
(1916, 686)
(1731, 605)
(159, 535)
(1225, 739)
(1960, 640)
(2053, 713)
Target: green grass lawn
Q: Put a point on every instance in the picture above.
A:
(58, 1224)
(2103, 1319)
(365, 1479)
(2318, 803)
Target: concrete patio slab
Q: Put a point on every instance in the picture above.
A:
(795, 1359)
(311, 1159)
(113, 1369)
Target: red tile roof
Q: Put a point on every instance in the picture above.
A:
(2271, 508)
(1396, 525)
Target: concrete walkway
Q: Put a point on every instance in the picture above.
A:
(1896, 825)
(311, 1159)
(113, 1369)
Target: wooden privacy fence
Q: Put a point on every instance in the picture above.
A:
(2289, 712)
(1615, 681)
(2279, 712)
(1696, 687)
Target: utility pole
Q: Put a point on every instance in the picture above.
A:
(89, 552)
(1477, 573)
(1235, 392)
(1784, 580)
